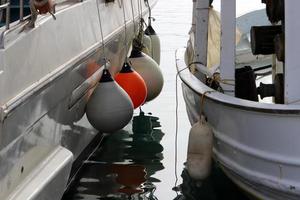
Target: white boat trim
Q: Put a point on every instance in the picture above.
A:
(197, 86)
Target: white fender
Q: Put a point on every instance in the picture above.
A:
(148, 46)
(155, 41)
(199, 156)
(109, 107)
(149, 71)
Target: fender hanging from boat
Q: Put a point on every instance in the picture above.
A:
(147, 45)
(109, 107)
(155, 44)
(133, 84)
(199, 156)
(149, 71)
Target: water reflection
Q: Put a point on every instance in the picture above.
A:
(216, 187)
(125, 165)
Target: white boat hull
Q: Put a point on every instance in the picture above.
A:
(45, 83)
(256, 143)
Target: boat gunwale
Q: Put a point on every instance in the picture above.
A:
(191, 81)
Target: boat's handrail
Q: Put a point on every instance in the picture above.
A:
(12, 24)
(6, 6)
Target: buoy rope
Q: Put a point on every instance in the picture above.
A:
(216, 76)
(125, 27)
(203, 100)
(82, 164)
(150, 13)
(102, 36)
(136, 43)
(177, 121)
(141, 31)
(143, 22)
(133, 18)
(138, 40)
(139, 9)
(176, 128)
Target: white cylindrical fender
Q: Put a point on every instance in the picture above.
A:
(199, 156)
(109, 107)
(149, 71)
(155, 42)
(147, 45)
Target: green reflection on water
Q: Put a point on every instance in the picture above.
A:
(124, 166)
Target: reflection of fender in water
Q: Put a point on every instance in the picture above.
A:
(124, 165)
(216, 186)
(145, 146)
(130, 176)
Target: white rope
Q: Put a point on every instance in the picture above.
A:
(139, 8)
(102, 37)
(133, 18)
(212, 73)
(150, 13)
(125, 27)
(176, 127)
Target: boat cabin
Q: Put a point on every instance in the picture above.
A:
(278, 39)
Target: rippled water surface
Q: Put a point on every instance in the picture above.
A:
(138, 162)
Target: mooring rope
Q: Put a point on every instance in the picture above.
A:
(133, 17)
(126, 39)
(203, 97)
(202, 102)
(176, 127)
(82, 164)
(102, 36)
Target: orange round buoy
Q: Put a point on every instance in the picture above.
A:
(44, 6)
(133, 84)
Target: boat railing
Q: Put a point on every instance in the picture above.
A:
(20, 13)
(6, 18)
(6, 7)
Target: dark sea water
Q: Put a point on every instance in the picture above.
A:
(138, 162)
